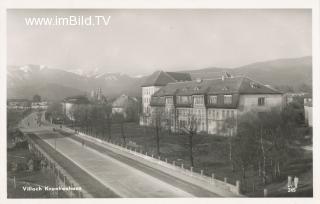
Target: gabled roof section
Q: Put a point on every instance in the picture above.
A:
(234, 85)
(249, 86)
(180, 76)
(161, 78)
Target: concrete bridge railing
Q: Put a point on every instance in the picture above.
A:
(209, 183)
(63, 178)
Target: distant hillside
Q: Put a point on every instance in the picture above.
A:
(292, 72)
(56, 84)
(53, 92)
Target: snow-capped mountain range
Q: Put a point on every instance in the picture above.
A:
(27, 80)
(56, 84)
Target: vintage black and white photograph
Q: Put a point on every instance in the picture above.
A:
(159, 103)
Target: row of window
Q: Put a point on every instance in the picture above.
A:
(169, 100)
(221, 114)
(213, 114)
(147, 110)
(200, 126)
(227, 99)
(213, 99)
(184, 99)
(146, 100)
(148, 91)
(199, 100)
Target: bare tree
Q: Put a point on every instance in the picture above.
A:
(107, 111)
(157, 120)
(119, 118)
(228, 127)
(190, 127)
(244, 144)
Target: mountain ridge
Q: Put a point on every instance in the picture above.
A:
(31, 78)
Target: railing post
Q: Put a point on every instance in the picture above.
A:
(201, 172)
(182, 166)
(265, 192)
(14, 182)
(296, 181)
(166, 160)
(289, 180)
(191, 169)
(238, 187)
(225, 179)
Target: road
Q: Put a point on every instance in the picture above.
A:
(95, 188)
(115, 173)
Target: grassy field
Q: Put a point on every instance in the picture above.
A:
(211, 155)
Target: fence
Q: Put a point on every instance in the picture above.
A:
(63, 179)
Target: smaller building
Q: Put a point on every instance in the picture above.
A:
(42, 105)
(295, 97)
(70, 103)
(307, 103)
(18, 104)
(126, 105)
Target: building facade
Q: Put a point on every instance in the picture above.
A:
(126, 105)
(211, 106)
(68, 104)
(153, 84)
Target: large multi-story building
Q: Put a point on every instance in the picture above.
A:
(210, 103)
(152, 84)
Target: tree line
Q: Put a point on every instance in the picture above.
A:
(262, 140)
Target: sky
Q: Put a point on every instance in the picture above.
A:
(139, 42)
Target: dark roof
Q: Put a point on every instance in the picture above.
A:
(180, 76)
(77, 99)
(235, 85)
(161, 78)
